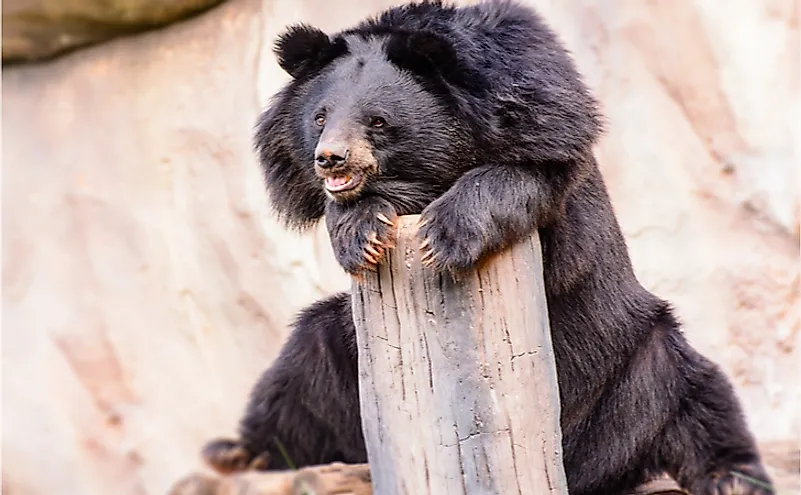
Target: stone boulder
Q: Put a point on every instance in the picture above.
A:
(38, 29)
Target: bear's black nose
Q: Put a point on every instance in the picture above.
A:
(331, 155)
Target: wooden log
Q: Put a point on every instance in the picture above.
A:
(457, 378)
(329, 479)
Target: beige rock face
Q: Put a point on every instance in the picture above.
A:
(147, 284)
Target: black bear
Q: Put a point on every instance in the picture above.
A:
(476, 118)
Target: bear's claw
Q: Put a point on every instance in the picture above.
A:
(226, 456)
(384, 219)
(740, 480)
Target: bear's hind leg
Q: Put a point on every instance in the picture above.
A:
(707, 442)
(304, 409)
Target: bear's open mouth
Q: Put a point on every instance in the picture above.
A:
(342, 182)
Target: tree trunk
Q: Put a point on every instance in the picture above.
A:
(457, 377)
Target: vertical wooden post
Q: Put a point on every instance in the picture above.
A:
(457, 378)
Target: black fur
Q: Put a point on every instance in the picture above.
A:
(488, 133)
(303, 50)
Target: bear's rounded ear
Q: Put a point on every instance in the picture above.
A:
(302, 50)
(429, 54)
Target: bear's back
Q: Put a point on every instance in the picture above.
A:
(500, 38)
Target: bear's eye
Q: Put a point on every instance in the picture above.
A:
(319, 119)
(377, 122)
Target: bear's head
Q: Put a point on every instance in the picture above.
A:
(358, 119)
(402, 106)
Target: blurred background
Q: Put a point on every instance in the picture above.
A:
(146, 284)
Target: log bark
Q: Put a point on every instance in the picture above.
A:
(457, 377)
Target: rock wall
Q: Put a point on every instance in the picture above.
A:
(146, 283)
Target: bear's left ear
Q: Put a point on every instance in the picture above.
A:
(302, 50)
(430, 55)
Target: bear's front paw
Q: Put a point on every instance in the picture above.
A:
(450, 240)
(229, 456)
(361, 234)
(747, 479)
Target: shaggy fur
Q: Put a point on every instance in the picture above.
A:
(477, 119)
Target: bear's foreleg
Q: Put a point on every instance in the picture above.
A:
(361, 232)
(485, 211)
